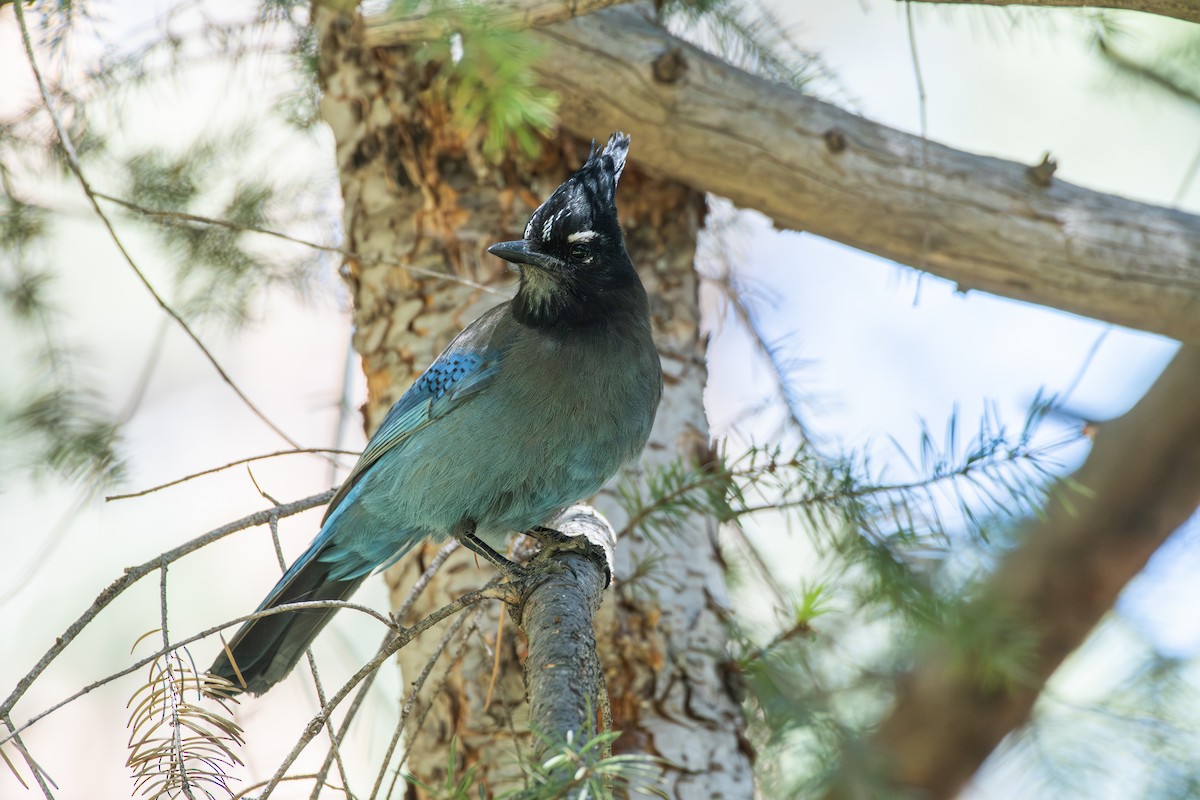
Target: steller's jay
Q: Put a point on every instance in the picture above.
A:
(532, 408)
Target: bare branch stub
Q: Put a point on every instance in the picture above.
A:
(556, 611)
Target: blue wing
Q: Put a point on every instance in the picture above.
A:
(462, 370)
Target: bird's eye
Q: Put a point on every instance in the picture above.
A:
(579, 251)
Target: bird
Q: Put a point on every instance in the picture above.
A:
(533, 407)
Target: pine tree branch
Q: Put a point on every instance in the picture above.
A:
(436, 23)
(982, 222)
(1099, 528)
(562, 671)
(231, 464)
(185, 217)
(1187, 10)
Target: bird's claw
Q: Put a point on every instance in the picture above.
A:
(547, 536)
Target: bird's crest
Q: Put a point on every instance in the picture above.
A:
(586, 198)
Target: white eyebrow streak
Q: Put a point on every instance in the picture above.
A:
(582, 236)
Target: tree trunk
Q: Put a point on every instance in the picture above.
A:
(418, 195)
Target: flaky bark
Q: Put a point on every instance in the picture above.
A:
(1139, 484)
(416, 192)
(982, 222)
(1179, 9)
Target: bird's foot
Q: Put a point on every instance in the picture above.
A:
(590, 534)
(511, 569)
(547, 536)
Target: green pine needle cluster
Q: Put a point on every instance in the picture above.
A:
(581, 769)
(219, 271)
(487, 77)
(61, 426)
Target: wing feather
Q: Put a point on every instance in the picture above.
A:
(462, 370)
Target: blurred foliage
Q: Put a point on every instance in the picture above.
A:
(891, 580)
(58, 424)
(217, 271)
(62, 424)
(1159, 63)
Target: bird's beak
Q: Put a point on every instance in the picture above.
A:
(518, 252)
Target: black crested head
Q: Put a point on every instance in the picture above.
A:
(573, 263)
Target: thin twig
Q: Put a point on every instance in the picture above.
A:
(73, 162)
(333, 739)
(605, 713)
(402, 638)
(922, 105)
(320, 784)
(487, 700)
(184, 216)
(312, 663)
(39, 774)
(1185, 182)
(355, 704)
(730, 288)
(237, 463)
(169, 695)
(310, 605)
(491, 688)
(419, 684)
(343, 406)
(162, 605)
(1083, 367)
(916, 64)
(1147, 72)
(134, 574)
(760, 563)
(418, 587)
(437, 692)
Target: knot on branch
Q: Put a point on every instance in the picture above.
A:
(669, 66)
(835, 139)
